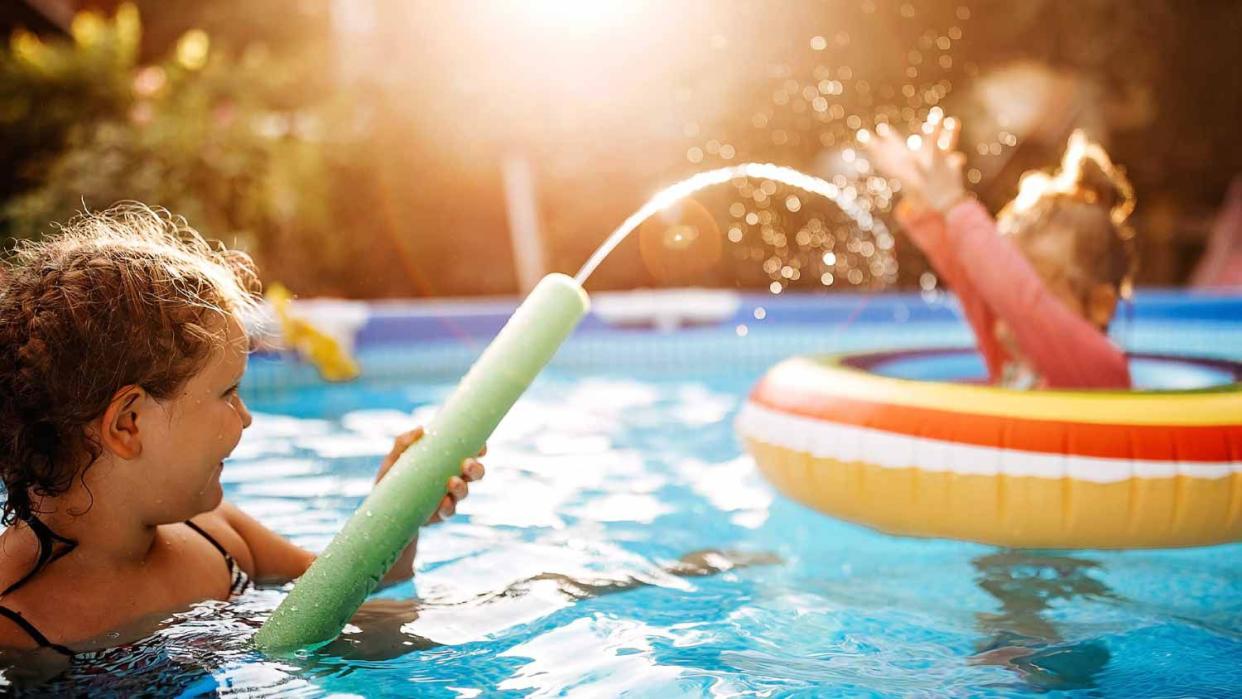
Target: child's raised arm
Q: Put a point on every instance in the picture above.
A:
(927, 228)
(925, 225)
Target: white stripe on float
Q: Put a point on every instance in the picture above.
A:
(847, 443)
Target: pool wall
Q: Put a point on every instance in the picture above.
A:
(691, 331)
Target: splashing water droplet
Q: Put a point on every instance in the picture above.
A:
(665, 198)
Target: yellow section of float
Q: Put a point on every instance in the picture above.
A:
(1029, 512)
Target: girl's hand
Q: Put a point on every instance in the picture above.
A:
(931, 174)
(457, 488)
(941, 163)
(890, 155)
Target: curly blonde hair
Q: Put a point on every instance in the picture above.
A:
(1089, 198)
(127, 296)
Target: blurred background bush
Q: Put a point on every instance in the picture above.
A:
(357, 147)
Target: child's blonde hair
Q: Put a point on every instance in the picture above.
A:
(128, 296)
(1090, 199)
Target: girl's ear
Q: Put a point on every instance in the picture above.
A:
(1101, 304)
(119, 428)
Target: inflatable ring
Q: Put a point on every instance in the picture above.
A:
(1042, 469)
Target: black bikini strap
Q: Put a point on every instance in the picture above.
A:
(47, 550)
(229, 563)
(210, 539)
(34, 633)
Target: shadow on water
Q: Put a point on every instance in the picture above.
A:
(1027, 584)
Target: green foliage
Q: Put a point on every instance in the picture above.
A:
(47, 89)
(207, 135)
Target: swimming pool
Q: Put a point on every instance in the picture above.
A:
(563, 571)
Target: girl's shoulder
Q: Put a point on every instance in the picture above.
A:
(18, 558)
(74, 601)
(14, 636)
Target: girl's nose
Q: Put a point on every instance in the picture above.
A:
(244, 412)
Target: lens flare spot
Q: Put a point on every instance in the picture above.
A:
(680, 243)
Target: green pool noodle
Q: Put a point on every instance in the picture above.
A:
(327, 595)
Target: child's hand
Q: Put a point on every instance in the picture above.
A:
(891, 156)
(942, 164)
(931, 175)
(455, 491)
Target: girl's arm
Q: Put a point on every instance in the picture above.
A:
(931, 179)
(272, 557)
(1063, 347)
(926, 227)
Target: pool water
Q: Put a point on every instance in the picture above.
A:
(561, 575)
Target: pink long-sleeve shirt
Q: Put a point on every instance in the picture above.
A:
(994, 281)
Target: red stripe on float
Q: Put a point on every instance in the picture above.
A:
(1205, 443)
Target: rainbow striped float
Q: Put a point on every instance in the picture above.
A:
(1044, 469)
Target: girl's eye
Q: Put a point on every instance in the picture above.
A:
(231, 392)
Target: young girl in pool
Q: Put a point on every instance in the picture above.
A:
(1040, 284)
(121, 349)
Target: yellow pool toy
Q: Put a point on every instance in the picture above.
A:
(1043, 469)
(312, 344)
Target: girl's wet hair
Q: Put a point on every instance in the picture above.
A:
(131, 296)
(1089, 199)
